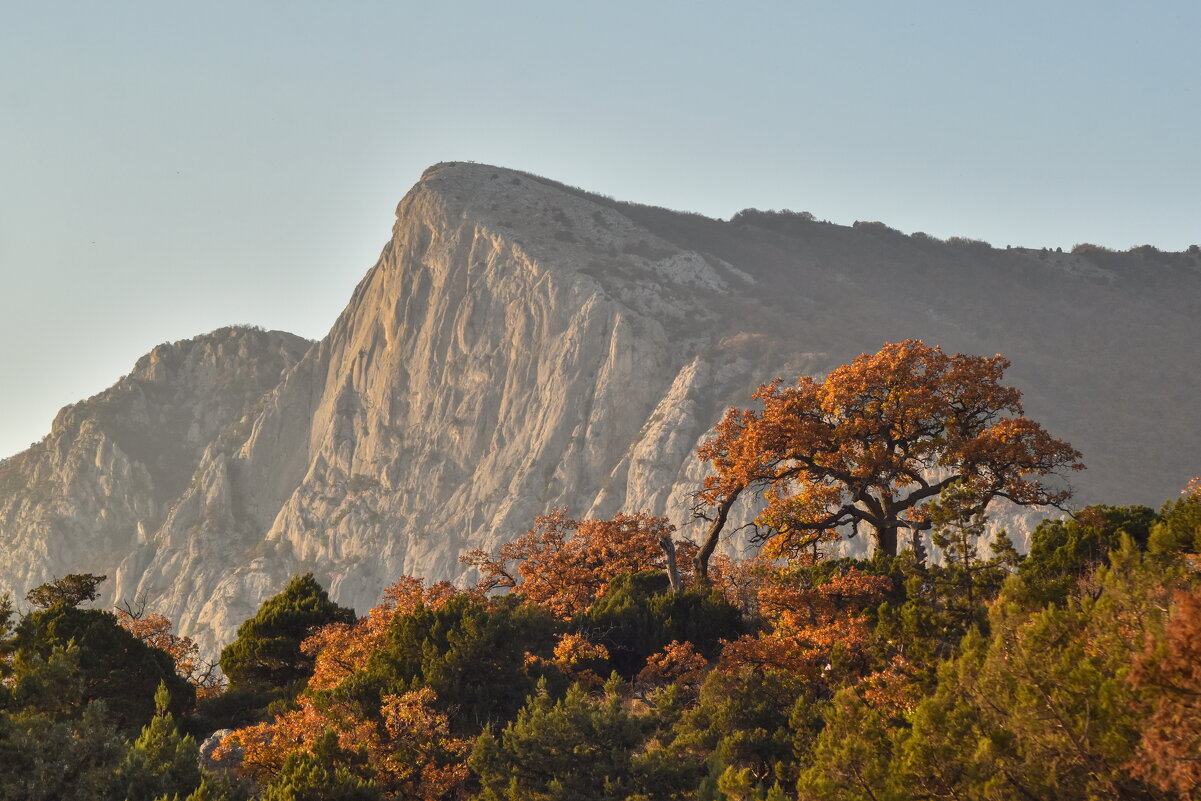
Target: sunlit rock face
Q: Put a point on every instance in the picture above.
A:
(522, 345)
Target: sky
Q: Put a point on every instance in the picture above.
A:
(169, 168)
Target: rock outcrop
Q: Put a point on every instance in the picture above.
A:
(521, 345)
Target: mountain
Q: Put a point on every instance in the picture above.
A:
(103, 481)
(521, 344)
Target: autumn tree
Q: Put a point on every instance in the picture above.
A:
(873, 444)
(564, 564)
(339, 649)
(816, 620)
(638, 616)
(475, 654)
(1169, 754)
(155, 630)
(402, 747)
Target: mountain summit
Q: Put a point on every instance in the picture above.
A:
(520, 345)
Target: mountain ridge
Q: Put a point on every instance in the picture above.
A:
(521, 344)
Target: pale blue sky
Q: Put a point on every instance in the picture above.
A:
(168, 169)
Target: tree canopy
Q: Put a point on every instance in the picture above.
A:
(71, 590)
(874, 443)
(265, 662)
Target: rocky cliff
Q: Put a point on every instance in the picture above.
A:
(103, 481)
(520, 345)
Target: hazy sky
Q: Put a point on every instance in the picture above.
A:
(169, 168)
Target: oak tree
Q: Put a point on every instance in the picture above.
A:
(873, 444)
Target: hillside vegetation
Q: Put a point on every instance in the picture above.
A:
(614, 659)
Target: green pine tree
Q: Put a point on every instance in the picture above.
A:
(264, 663)
(160, 762)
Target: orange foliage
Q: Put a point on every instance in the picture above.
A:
(892, 690)
(864, 446)
(814, 628)
(1169, 754)
(408, 744)
(565, 564)
(1193, 489)
(408, 747)
(340, 649)
(155, 630)
(572, 649)
(571, 656)
(677, 662)
(738, 581)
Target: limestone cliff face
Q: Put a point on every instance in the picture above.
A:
(482, 373)
(104, 479)
(522, 344)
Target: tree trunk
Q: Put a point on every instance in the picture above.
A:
(919, 547)
(673, 570)
(710, 544)
(886, 540)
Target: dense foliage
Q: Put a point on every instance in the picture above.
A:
(610, 660)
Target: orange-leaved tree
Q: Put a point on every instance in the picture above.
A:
(1169, 755)
(816, 622)
(405, 741)
(339, 649)
(875, 442)
(564, 564)
(155, 630)
(406, 745)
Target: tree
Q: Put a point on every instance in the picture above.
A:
(1043, 707)
(742, 720)
(340, 649)
(817, 622)
(265, 661)
(1169, 754)
(316, 776)
(113, 665)
(54, 746)
(565, 564)
(71, 590)
(873, 444)
(1064, 551)
(851, 757)
(403, 747)
(477, 656)
(577, 747)
(638, 616)
(155, 630)
(161, 762)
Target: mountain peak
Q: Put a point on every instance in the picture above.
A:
(522, 345)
